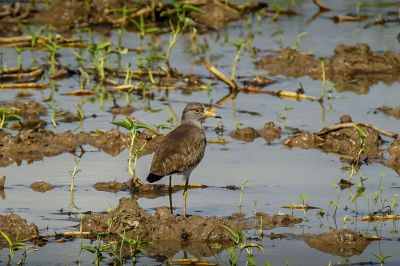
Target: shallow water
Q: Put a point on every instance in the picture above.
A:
(276, 175)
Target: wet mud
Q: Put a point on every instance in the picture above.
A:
(344, 243)
(352, 68)
(16, 228)
(169, 233)
(269, 132)
(350, 140)
(213, 15)
(34, 145)
(390, 111)
(394, 156)
(42, 186)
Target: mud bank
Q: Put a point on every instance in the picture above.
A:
(34, 145)
(16, 228)
(352, 68)
(344, 243)
(69, 14)
(169, 233)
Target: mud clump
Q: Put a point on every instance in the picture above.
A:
(269, 132)
(124, 110)
(344, 243)
(215, 15)
(394, 156)
(351, 68)
(247, 134)
(2, 182)
(394, 112)
(28, 109)
(42, 186)
(342, 138)
(16, 228)
(291, 62)
(169, 233)
(148, 191)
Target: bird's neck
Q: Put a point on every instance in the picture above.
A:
(192, 122)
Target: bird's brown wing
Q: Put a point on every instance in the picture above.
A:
(181, 149)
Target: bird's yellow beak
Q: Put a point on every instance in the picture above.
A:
(209, 114)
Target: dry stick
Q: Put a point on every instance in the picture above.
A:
(250, 89)
(353, 124)
(279, 93)
(219, 75)
(27, 86)
(321, 6)
(55, 234)
(346, 18)
(34, 73)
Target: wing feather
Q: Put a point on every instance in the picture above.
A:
(181, 149)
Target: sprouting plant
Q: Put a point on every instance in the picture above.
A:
(19, 51)
(12, 246)
(297, 40)
(53, 107)
(73, 173)
(282, 116)
(303, 199)
(97, 251)
(179, 13)
(95, 48)
(133, 127)
(362, 136)
(239, 46)
(8, 114)
(381, 257)
(52, 48)
(242, 243)
(135, 246)
(393, 203)
(241, 193)
(335, 204)
(323, 78)
(143, 29)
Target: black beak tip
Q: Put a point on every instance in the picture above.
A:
(218, 116)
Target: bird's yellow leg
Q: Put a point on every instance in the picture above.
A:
(185, 197)
(170, 194)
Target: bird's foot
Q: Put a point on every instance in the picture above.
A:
(136, 182)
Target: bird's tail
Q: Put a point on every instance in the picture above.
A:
(151, 178)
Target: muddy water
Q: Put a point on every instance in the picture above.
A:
(276, 174)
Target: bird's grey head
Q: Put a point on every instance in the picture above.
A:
(195, 112)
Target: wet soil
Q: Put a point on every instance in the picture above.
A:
(269, 132)
(34, 145)
(169, 233)
(16, 228)
(42, 186)
(343, 138)
(213, 15)
(352, 68)
(394, 156)
(344, 243)
(389, 111)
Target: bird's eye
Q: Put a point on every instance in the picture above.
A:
(197, 111)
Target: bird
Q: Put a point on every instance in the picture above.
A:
(182, 149)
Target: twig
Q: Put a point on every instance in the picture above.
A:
(27, 86)
(219, 75)
(321, 6)
(33, 73)
(55, 234)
